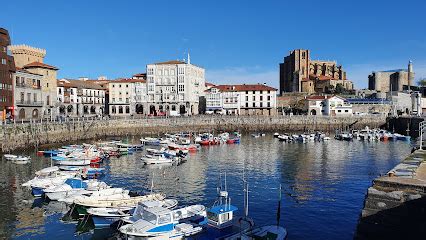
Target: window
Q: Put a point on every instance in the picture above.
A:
(127, 85)
(35, 97)
(22, 97)
(181, 88)
(246, 104)
(47, 84)
(303, 55)
(269, 98)
(269, 104)
(113, 86)
(346, 110)
(3, 61)
(339, 110)
(261, 98)
(254, 98)
(246, 98)
(246, 92)
(261, 104)
(254, 105)
(48, 100)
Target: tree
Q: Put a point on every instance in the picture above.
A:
(422, 82)
(339, 88)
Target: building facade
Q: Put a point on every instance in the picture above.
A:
(31, 59)
(80, 98)
(298, 73)
(391, 80)
(127, 97)
(174, 87)
(28, 95)
(327, 106)
(245, 99)
(7, 68)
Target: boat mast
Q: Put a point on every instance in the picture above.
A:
(152, 182)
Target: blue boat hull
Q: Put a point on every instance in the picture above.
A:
(37, 192)
(104, 222)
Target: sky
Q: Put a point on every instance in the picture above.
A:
(236, 41)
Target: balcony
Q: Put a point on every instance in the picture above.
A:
(30, 104)
(23, 85)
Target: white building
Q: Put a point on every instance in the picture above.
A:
(80, 98)
(127, 97)
(328, 106)
(174, 87)
(245, 99)
(28, 95)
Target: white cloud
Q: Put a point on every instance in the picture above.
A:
(240, 75)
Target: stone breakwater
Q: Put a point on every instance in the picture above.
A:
(33, 135)
(395, 206)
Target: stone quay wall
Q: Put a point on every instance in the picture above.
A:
(33, 135)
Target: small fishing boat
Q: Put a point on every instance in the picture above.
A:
(21, 160)
(10, 156)
(160, 222)
(139, 210)
(158, 159)
(103, 194)
(73, 186)
(104, 217)
(276, 135)
(73, 162)
(150, 141)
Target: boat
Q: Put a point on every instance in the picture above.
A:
(104, 217)
(158, 159)
(73, 162)
(105, 194)
(126, 201)
(21, 160)
(160, 222)
(276, 135)
(183, 148)
(73, 186)
(10, 156)
(283, 137)
(150, 141)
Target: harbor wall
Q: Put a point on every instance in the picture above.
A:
(395, 205)
(30, 135)
(404, 125)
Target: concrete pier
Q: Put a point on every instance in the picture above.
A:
(395, 206)
(29, 135)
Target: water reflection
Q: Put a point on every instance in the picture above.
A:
(324, 185)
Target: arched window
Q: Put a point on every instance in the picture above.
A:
(127, 109)
(120, 109)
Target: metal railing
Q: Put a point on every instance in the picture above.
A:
(30, 103)
(422, 128)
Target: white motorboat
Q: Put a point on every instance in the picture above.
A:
(138, 213)
(21, 160)
(159, 159)
(106, 194)
(73, 162)
(74, 186)
(10, 156)
(125, 202)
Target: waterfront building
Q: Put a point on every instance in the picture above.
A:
(243, 99)
(28, 95)
(392, 80)
(103, 82)
(31, 59)
(127, 96)
(405, 102)
(80, 98)
(328, 106)
(7, 68)
(298, 73)
(362, 106)
(174, 87)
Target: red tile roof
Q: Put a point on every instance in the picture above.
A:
(128, 80)
(18, 69)
(138, 75)
(244, 87)
(79, 84)
(209, 84)
(318, 97)
(40, 65)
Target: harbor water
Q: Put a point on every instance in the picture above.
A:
(324, 185)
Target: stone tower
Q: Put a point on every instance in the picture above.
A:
(24, 54)
(410, 74)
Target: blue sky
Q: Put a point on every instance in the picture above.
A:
(235, 41)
